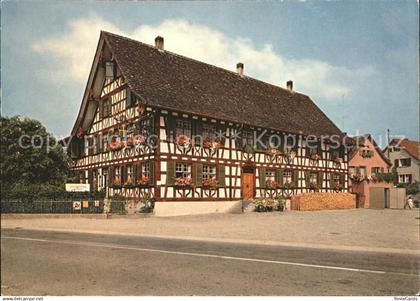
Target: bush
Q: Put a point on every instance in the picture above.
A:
(117, 205)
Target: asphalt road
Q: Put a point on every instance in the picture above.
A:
(54, 263)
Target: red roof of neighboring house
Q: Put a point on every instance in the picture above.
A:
(360, 141)
(412, 147)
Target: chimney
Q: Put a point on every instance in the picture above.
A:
(159, 42)
(289, 85)
(240, 69)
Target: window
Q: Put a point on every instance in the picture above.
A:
(405, 162)
(313, 177)
(247, 138)
(105, 142)
(362, 171)
(145, 127)
(352, 170)
(404, 178)
(287, 176)
(396, 149)
(376, 170)
(336, 178)
(209, 131)
(270, 175)
(130, 173)
(117, 176)
(209, 172)
(291, 143)
(183, 128)
(132, 99)
(145, 170)
(182, 170)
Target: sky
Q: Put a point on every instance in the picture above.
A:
(357, 60)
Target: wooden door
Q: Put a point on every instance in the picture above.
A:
(248, 184)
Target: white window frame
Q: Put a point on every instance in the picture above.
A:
(270, 175)
(182, 170)
(287, 176)
(209, 172)
(313, 177)
(145, 170)
(183, 127)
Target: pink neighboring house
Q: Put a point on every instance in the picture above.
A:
(369, 175)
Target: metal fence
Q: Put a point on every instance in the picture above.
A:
(52, 206)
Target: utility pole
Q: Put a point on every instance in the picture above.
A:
(388, 141)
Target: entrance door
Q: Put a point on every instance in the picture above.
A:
(248, 184)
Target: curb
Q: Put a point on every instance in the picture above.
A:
(236, 241)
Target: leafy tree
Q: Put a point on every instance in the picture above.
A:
(30, 156)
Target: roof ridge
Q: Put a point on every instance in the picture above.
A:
(201, 62)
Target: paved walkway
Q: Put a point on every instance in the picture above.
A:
(357, 229)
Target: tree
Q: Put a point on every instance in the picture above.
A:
(30, 155)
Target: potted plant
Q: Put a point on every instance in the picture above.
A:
(313, 186)
(259, 205)
(338, 186)
(280, 204)
(273, 152)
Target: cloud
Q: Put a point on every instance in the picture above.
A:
(74, 52)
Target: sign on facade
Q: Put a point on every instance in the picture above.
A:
(77, 187)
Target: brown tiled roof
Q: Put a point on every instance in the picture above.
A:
(172, 81)
(412, 147)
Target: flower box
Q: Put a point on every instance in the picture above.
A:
(129, 183)
(183, 182)
(271, 184)
(313, 186)
(209, 183)
(214, 145)
(142, 182)
(184, 141)
(272, 151)
(315, 157)
(116, 183)
(116, 146)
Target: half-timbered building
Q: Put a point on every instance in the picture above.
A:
(159, 124)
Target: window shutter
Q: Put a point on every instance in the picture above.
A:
(197, 131)
(319, 149)
(197, 173)
(138, 170)
(151, 172)
(279, 174)
(238, 139)
(341, 151)
(221, 175)
(170, 173)
(307, 177)
(101, 109)
(342, 179)
(296, 178)
(123, 173)
(109, 70)
(332, 183)
(170, 127)
(320, 179)
(221, 135)
(111, 175)
(261, 177)
(129, 98)
(281, 146)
